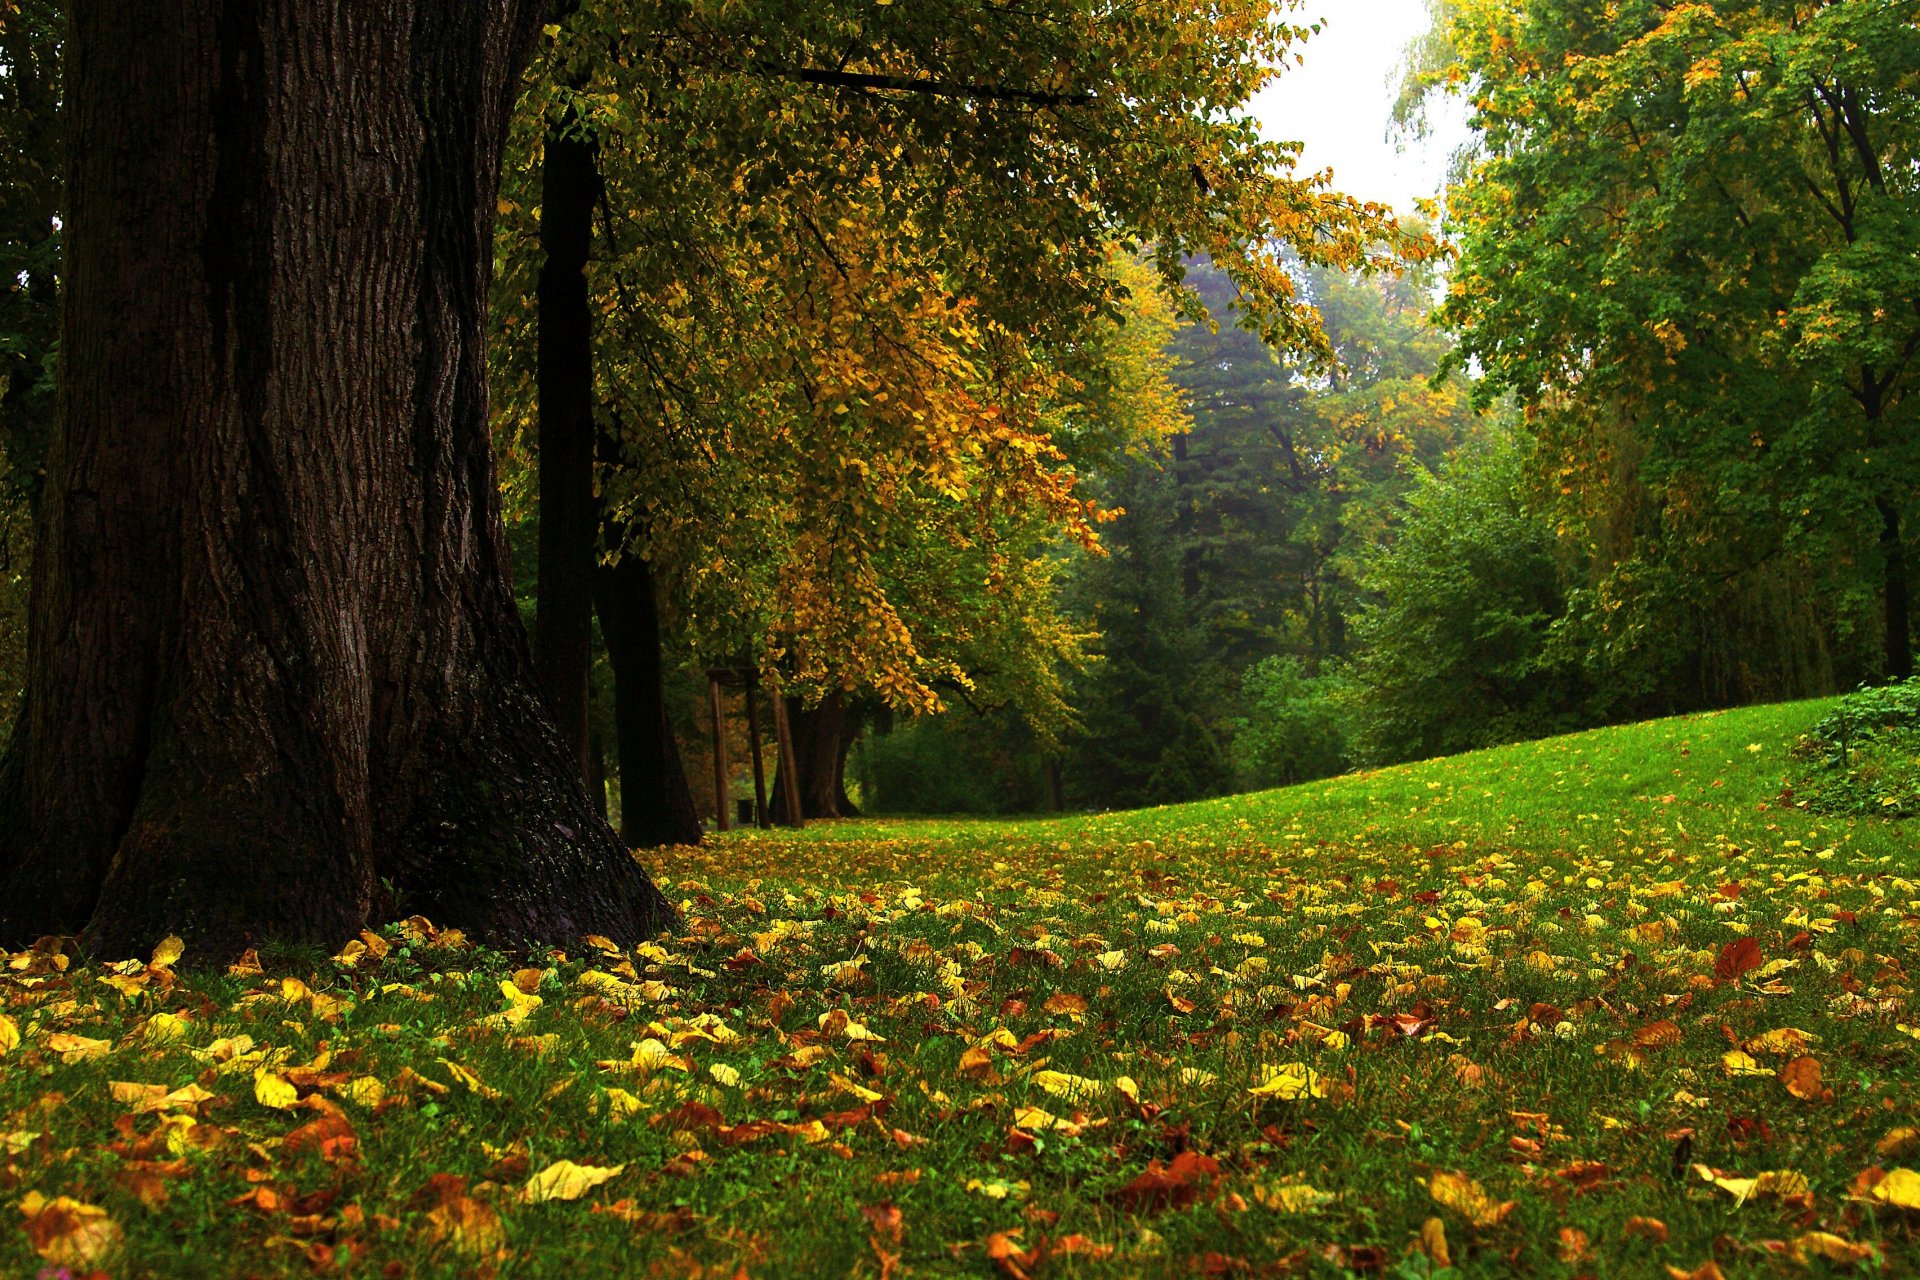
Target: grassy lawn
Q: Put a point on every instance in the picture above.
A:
(1600, 1006)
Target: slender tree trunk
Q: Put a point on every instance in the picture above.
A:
(821, 741)
(1899, 627)
(569, 516)
(656, 801)
(274, 659)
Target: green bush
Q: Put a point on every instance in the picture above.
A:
(1457, 651)
(1294, 729)
(1864, 758)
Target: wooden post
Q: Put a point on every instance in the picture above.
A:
(760, 812)
(722, 820)
(789, 766)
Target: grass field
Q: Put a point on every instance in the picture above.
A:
(1599, 1006)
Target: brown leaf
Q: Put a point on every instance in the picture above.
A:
(1646, 1228)
(1802, 1078)
(1189, 1177)
(1737, 957)
(67, 1232)
(1658, 1035)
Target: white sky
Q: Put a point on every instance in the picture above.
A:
(1339, 102)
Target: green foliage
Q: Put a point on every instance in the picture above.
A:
(947, 764)
(1458, 652)
(1864, 756)
(1685, 246)
(1293, 727)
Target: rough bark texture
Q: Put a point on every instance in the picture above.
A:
(569, 516)
(274, 659)
(822, 737)
(656, 802)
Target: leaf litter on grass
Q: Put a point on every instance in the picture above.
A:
(1603, 1035)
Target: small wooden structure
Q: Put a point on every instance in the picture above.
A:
(748, 680)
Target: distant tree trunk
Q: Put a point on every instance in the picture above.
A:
(656, 802)
(822, 737)
(569, 516)
(1893, 552)
(274, 658)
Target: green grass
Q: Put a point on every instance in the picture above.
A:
(1499, 965)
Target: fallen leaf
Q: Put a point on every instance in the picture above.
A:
(1460, 1193)
(1433, 1243)
(1290, 1081)
(565, 1180)
(168, 952)
(1824, 1244)
(471, 1226)
(1900, 1189)
(1740, 956)
(1802, 1078)
(1293, 1197)
(1072, 1088)
(270, 1090)
(68, 1232)
(1188, 1177)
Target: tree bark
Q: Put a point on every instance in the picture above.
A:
(274, 660)
(656, 801)
(569, 517)
(822, 737)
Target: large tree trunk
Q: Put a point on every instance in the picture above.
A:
(274, 659)
(656, 802)
(569, 516)
(822, 737)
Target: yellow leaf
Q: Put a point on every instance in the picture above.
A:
(164, 1028)
(1736, 1062)
(1291, 1081)
(269, 1090)
(1293, 1197)
(462, 1075)
(67, 1232)
(1900, 1189)
(72, 1048)
(1460, 1193)
(1126, 1087)
(169, 951)
(1072, 1088)
(1112, 960)
(565, 1180)
(839, 1082)
(1824, 1244)
(621, 1104)
(9, 1035)
(1433, 1242)
(730, 1077)
(365, 1091)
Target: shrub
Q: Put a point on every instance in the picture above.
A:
(1294, 729)
(1864, 757)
